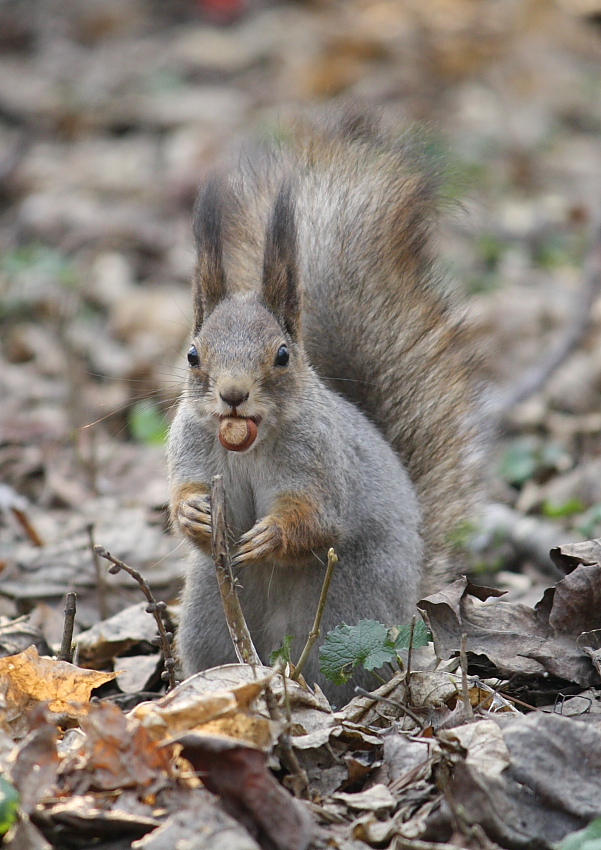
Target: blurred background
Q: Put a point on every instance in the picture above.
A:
(111, 112)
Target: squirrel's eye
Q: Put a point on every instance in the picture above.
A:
(282, 357)
(193, 358)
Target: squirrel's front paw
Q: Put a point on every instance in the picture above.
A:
(263, 539)
(194, 518)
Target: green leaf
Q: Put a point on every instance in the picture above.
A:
(9, 805)
(588, 838)
(345, 646)
(283, 652)
(490, 250)
(572, 506)
(421, 636)
(520, 461)
(147, 424)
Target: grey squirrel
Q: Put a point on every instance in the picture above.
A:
(331, 384)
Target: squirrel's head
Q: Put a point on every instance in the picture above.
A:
(246, 360)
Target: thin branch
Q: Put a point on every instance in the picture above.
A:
(407, 711)
(315, 631)
(100, 582)
(27, 525)
(66, 650)
(155, 608)
(298, 781)
(469, 711)
(234, 615)
(530, 538)
(539, 374)
(410, 651)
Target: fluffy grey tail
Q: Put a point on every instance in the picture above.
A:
(378, 323)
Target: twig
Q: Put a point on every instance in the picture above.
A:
(155, 608)
(409, 663)
(100, 582)
(469, 711)
(243, 645)
(66, 650)
(539, 374)
(401, 843)
(27, 525)
(362, 692)
(298, 779)
(410, 650)
(315, 631)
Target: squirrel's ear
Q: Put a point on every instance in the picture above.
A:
(209, 283)
(280, 276)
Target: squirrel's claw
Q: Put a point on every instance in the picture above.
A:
(263, 539)
(194, 517)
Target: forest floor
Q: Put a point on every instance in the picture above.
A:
(111, 113)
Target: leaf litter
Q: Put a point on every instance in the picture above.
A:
(207, 756)
(108, 116)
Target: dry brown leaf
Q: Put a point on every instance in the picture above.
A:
(486, 748)
(514, 638)
(240, 776)
(226, 713)
(29, 679)
(119, 753)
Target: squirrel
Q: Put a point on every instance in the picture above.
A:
(331, 383)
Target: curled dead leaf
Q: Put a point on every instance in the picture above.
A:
(28, 679)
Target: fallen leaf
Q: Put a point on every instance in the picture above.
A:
(28, 679)
(111, 637)
(34, 766)
(253, 796)
(137, 672)
(551, 787)
(515, 638)
(118, 752)
(200, 824)
(483, 740)
(227, 712)
(376, 799)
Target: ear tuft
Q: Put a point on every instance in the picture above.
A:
(209, 282)
(280, 271)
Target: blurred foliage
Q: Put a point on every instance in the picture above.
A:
(147, 424)
(569, 508)
(588, 838)
(529, 457)
(283, 652)
(9, 805)
(45, 262)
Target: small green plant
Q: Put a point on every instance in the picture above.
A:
(283, 652)
(588, 838)
(490, 250)
(369, 643)
(147, 424)
(9, 805)
(557, 250)
(528, 457)
(41, 260)
(571, 507)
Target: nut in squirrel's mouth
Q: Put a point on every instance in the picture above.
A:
(237, 433)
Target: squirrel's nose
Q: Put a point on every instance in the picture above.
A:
(233, 397)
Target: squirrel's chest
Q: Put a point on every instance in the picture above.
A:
(249, 491)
